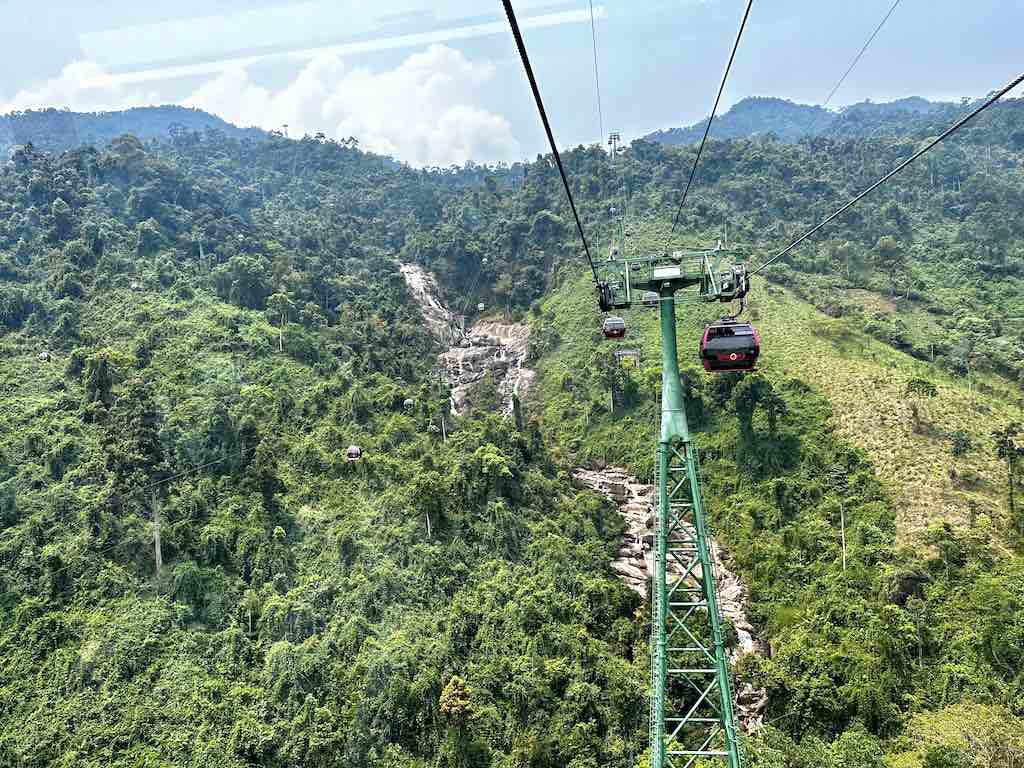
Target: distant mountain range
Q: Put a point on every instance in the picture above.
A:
(791, 122)
(55, 130)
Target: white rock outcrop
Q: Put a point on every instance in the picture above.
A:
(487, 347)
(635, 566)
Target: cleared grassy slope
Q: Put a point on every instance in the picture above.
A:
(864, 380)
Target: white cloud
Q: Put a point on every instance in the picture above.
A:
(82, 86)
(421, 112)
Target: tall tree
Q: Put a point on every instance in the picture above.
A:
(891, 259)
(1009, 451)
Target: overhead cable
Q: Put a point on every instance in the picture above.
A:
(597, 76)
(547, 129)
(119, 542)
(707, 128)
(857, 57)
(949, 132)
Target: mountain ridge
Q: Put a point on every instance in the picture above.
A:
(58, 130)
(791, 121)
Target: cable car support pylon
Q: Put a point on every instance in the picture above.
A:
(691, 697)
(691, 716)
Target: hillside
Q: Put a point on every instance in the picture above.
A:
(791, 122)
(195, 331)
(55, 130)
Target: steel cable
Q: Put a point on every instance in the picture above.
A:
(857, 57)
(510, 12)
(949, 132)
(597, 76)
(707, 128)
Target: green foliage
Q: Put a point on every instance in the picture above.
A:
(920, 388)
(1007, 449)
(437, 603)
(199, 328)
(960, 443)
(16, 306)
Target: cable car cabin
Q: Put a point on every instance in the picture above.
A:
(730, 345)
(480, 307)
(355, 453)
(613, 328)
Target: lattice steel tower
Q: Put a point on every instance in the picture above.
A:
(692, 715)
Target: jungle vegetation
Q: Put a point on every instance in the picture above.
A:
(194, 329)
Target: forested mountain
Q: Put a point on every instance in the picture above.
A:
(193, 332)
(791, 122)
(57, 130)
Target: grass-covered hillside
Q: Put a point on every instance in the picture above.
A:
(934, 452)
(193, 332)
(918, 626)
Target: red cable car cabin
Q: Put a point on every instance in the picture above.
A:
(613, 328)
(730, 345)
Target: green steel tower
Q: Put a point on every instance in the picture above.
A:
(692, 717)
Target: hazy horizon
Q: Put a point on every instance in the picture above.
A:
(441, 83)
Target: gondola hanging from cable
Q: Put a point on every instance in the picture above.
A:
(613, 328)
(730, 345)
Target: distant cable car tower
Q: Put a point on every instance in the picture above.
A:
(613, 141)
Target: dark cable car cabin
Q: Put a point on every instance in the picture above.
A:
(730, 345)
(613, 328)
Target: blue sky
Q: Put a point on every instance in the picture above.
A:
(439, 82)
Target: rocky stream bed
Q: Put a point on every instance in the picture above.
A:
(500, 349)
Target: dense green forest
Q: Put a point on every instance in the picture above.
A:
(194, 330)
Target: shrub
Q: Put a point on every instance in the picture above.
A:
(960, 442)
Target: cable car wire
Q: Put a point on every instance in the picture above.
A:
(186, 473)
(597, 90)
(597, 76)
(857, 57)
(949, 132)
(514, 25)
(711, 118)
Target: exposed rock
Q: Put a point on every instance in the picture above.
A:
(634, 564)
(424, 288)
(487, 347)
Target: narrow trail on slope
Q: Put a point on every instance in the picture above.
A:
(635, 567)
(485, 347)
